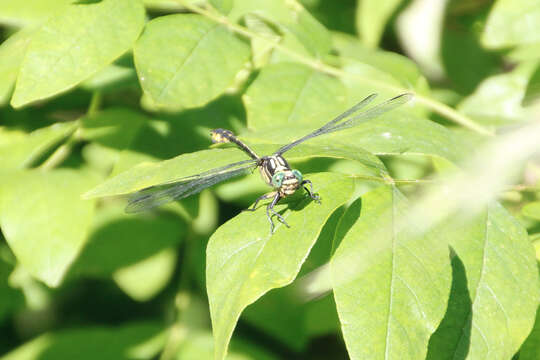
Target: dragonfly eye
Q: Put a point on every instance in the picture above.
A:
(277, 179)
(298, 175)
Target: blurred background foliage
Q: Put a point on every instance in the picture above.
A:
(83, 100)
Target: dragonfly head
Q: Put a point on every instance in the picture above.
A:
(278, 177)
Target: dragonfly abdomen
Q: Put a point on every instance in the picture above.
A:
(225, 136)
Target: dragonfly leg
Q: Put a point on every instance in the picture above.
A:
(270, 208)
(310, 192)
(262, 197)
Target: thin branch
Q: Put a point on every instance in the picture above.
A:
(318, 65)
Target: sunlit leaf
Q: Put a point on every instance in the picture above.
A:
(532, 93)
(137, 251)
(44, 220)
(11, 56)
(29, 12)
(19, 150)
(75, 44)
(200, 345)
(291, 18)
(498, 99)
(130, 342)
(185, 61)
(371, 19)
(397, 132)
(532, 210)
(147, 174)
(494, 296)
(390, 284)
(402, 69)
(244, 261)
(114, 127)
(288, 93)
(512, 22)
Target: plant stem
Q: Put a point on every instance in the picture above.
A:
(61, 153)
(318, 65)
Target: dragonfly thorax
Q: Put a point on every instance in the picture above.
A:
(277, 173)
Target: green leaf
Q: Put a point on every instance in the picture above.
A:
(187, 60)
(29, 12)
(148, 174)
(288, 93)
(111, 78)
(532, 93)
(371, 19)
(396, 133)
(512, 22)
(137, 251)
(200, 345)
(142, 281)
(130, 342)
(291, 19)
(19, 150)
(74, 45)
(114, 127)
(244, 261)
(44, 221)
(494, 296)
(390, 284)
(532, 210)
(12, 53)
(402, 69)
(498, 99)
(224, 6)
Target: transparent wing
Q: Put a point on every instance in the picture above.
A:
(348, 119)
(156, 195)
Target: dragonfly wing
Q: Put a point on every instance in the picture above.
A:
(163, 193)
(373, 112)
(323, 129)
(349, 119)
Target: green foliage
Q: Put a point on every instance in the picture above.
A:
(102, 98)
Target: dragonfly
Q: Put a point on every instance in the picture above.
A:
(274, 169)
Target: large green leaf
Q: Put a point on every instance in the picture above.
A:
(494, 296)
(401, 68)
(288, 93)
(138, 252)
(512, 22)
(147, 174)
(532, 210)
(199, 345)
(371, 19)
(244, 260)
(114, 127)
(187, 60)
(19, 149)
(390, 284)
(130, 342)
(11, 56)
(44, 220)
(395, 133)
(75, 44)
(29, 12)
(498, 99)
(291, 19)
